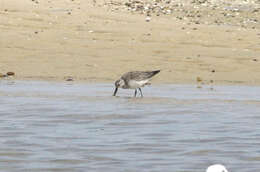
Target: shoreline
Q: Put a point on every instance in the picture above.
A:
(204, 83)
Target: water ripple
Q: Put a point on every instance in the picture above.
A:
(48, 126)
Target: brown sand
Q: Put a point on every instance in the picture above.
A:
(52, 40)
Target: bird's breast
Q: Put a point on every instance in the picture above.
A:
(133, 84)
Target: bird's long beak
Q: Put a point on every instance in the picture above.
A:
(115, 91)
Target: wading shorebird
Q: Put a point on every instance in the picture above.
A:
(216, 168)
(134, 80)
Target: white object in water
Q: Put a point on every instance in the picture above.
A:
(216, 168)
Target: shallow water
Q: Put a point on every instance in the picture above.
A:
(48, 126)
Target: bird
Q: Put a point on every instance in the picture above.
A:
(216, 168)
(134, 80)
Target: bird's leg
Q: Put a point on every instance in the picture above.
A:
(141, 92)
(135, 92)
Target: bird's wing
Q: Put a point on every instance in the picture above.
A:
(139, 75)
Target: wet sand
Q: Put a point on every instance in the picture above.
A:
(97, 42)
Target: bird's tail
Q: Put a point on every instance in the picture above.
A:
(148, 74)
(156, 71)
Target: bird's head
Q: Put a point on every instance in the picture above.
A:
(118, 84)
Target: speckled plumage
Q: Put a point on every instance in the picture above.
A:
(134, 80)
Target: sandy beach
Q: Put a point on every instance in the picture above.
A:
(97, 41)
